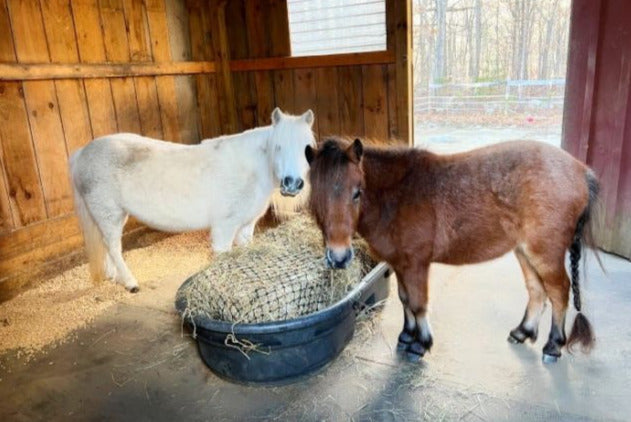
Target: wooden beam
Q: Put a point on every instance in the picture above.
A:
(331, 60)
(25, 72)
(225, 90)
(403, 68)
(45, 71)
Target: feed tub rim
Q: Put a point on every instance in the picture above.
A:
(297, 323)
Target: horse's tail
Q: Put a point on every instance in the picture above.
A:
(284, 207)
(582, 330)
(92, 237)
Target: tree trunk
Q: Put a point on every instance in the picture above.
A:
(439, 56)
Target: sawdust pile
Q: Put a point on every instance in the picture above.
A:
(49, 313)
(281, 275)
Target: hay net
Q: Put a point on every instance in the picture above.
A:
(281, 275)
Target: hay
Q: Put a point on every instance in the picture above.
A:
(281, 275)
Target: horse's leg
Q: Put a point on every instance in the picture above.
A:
(529, 326)
(416, 287)
(111, 219)
(551, 269)
(409, 324)
(245, 234)
(222, 237)
(557, 285)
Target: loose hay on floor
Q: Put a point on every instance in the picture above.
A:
(281, 275)
(50, 312)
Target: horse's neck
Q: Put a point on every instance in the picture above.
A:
(391, 178)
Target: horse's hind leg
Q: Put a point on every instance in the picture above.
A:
(111, 220)
(529, 326)
(551, 269)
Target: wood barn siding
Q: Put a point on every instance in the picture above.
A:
(597, 115)
(179, 70)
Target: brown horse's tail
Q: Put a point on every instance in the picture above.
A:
(582, 330)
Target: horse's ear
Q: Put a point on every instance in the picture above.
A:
(355, 151)
(277, 114)
(310, 154)
(308, 117)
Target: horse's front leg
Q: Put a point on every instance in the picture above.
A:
(222, 237)
(409, 324)
(416, 337)
(245, 233)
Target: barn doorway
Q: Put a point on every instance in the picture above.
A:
(487, 71)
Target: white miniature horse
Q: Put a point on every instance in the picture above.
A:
(224, 185)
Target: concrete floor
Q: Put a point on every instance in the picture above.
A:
(134, 363)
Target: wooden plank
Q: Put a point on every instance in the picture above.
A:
(375, 102)
(225, 90)
(393, 123)
(403, 67)
(202, 49)
(137, 31)
(280, 46)
(186, 95)
(284, 90)
(21, 72)
(6, 217)
(71, 96)
(117, 70)
(25, 192)
(332, 60)
(305, 94)
(578, 104)
(350, 98)
(140, 50)
(277, 24)
(48, 138)
(158, 31)
(611, 107)
(238, 41)
(257, 20)
(91, 50)
(147, 95)
(43, 109)
(38, 235)
(327, 104)
(117, 50)
(6, 54)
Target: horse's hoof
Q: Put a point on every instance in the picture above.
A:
(134, 289)
(416, 348)
(511, 339)
(549, 358)
(412, 357)
(405, 339)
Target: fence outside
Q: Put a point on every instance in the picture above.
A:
(495, 97)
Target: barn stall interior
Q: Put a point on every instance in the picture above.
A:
(185, 71)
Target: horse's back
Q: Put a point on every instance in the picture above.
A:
(509, 193)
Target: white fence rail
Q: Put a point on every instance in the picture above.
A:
(508, 96)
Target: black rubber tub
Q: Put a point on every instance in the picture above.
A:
(286, 350)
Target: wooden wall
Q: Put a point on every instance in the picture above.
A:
(597, 115)
(180, 70)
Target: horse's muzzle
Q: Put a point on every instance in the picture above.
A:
(290, 186)
(339, 259)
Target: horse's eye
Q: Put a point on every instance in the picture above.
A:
(357, 193)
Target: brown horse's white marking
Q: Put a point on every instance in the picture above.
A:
(414, 207)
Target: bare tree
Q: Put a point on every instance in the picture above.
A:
(441, 22)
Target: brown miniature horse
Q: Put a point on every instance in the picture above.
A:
(414, 207)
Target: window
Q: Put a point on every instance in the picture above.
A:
(336, 26)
